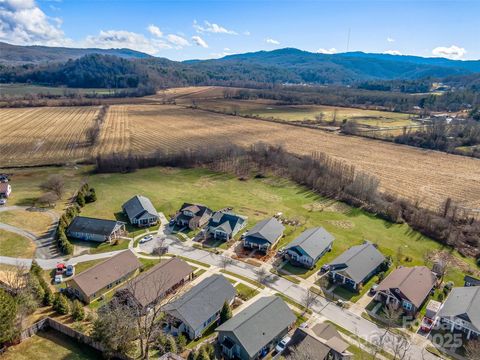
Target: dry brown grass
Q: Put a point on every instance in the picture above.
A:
(425, 176)
(35, 136)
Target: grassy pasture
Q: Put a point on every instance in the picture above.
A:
(15, 245)
(35, 222)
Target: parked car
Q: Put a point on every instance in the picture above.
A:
(304, 325)
(373, 289)
(70, 271)
(146, 238)
(282, 345)
(171, 222)
(325, 268)
(427, 324)
(3, 201)
(58, 279)
(59, 270)
(341, 303)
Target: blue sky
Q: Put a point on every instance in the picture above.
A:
(204, 29)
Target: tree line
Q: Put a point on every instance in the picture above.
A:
(449, 225)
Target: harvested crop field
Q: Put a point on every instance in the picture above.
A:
(427, 176)
(48, 135)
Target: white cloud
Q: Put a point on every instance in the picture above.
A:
(155, 31)
(452, 52)
(199, 41)
(178, 41)
(246, 33)
(124, 39)
(23, 22)
(392, 52)
(211, 28)
(390, 40)
(327, 51)
(272, 41)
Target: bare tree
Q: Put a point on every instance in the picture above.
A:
(262, 275)
(55, 184)
(391, 315)
(309, 299)
(48, 199)
(400, 345)
(225, 261)
(146, 300)
(472, 349)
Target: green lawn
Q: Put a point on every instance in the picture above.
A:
(15, 245)
(246, 292)
(50, 345)
(255, 198)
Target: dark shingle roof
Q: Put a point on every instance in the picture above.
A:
(313, 241)
(138, 205)
(259, 323)
(158, 280)
(203, 300)
(93, 226)
(107, 272)
(269, 230)
(225, 221)
(414, 282)
(465, 302)
(358, 261)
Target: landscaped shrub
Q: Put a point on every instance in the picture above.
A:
(78, 313)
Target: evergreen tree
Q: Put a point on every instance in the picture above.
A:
(78, 313)
(181, 342)
(226, 312)
(60, 304)
(81, 199)
(8, 315)
(202, 355)
(171, 345)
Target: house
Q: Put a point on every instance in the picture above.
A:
(199, 307)
(225, 225)
(150, 287)
(193, 216)
(471, 281)
(140, 211)
(309, 247)
(322, 342)
(92, 283)
(461, 311)
(255, 330)
(356, 266)
(5, 189)
(98, 230)
(407, 287)
(264, 235)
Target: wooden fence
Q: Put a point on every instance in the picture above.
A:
(49, 323)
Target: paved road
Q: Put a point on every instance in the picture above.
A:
(343, 317)
(45, 244)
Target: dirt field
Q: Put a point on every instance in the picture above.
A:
(34, 136)
(417, 174)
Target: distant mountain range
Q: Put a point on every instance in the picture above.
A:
(17, 55)
(127, 67)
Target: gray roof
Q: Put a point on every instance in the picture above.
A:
(93, 226)
(139, 205)
(203, 300)
(358, 261)
(226, 221)
(257, 325)
(269, 230)
(313, 241)
(463, 302)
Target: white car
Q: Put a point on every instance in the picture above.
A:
(58, 279)
(146, 238)
(3, 201)
(282, 345)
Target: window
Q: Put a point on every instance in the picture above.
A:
(407, 305)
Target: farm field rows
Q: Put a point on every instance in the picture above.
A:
(427, 176)
(36, 136)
